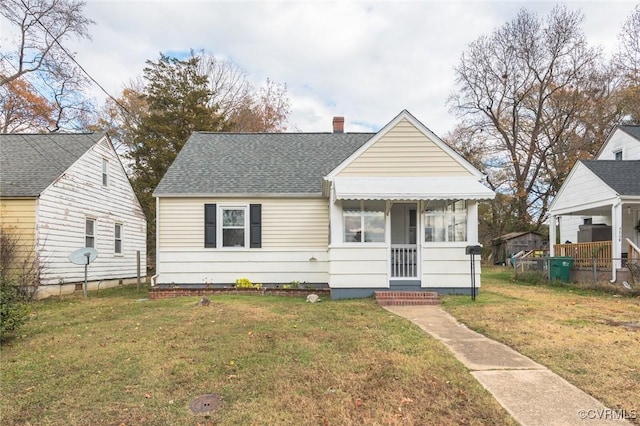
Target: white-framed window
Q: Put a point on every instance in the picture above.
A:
(105, 172)
(445, 221)
(234, 225)
(617, 155)
(364, 221)
(117, 234)
(90, 233)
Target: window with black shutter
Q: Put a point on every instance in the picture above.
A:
(255, 225)
(210, 225)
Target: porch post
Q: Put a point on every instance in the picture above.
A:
(616, 238)
(335, 218)
(552, 235)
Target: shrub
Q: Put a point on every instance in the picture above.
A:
(246, 283)
(13, 312)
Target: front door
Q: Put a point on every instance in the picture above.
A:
(404, 250)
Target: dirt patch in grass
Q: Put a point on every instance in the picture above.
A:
(116, 360)
(592, 339)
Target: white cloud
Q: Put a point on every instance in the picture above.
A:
(364, 60)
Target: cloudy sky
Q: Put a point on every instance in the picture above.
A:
(364, 60)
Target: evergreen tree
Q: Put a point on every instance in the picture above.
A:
(177, 103)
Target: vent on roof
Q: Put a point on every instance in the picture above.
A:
(338, 124)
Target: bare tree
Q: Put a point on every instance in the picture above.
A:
(38, 56)
(627, 62)
(245, 108)
(43, 26)
(527, 93)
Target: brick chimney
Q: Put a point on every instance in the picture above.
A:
(338, 124)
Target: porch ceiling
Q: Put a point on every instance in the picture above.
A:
(411, 188)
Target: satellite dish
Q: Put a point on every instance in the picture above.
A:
(83, 256)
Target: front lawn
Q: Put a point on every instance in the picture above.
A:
(590, 338)
(117, 360)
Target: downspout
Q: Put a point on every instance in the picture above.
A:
(153, 280)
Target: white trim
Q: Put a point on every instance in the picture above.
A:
(220, 225)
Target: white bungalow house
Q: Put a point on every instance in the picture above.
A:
(63, 192)
(358, 212)
(599, 202)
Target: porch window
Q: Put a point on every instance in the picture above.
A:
(445, 221)
(364, 221)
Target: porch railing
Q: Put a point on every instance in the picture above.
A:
(404, 260)
(586, 253)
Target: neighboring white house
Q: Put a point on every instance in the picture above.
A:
(357, 211)
(63, 192)
(600, 199)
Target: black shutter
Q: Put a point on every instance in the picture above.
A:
(210, 225)
(255, 225)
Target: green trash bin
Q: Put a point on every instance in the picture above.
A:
(560, 268)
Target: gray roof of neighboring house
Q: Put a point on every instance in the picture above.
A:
(622, 176)
(257, 163)
(31, 162)
(632, 130)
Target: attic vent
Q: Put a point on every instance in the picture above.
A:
(338, 124)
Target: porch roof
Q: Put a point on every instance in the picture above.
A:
(411, 188)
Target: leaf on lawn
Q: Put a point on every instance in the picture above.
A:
(147, 395)
(406, 401)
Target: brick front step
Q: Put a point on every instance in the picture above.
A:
(406, 298)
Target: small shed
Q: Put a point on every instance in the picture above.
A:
(503, 247)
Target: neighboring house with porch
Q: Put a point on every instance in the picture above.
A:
(63, 192)
(598, 205)
(359, 212)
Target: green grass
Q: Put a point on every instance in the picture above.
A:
(113, 359)
(571, 330)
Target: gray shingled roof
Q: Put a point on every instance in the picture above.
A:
(622, 176)
(257, 163)
(632, 130)
(29, 162)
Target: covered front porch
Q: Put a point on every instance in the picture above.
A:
(601, 236)
(403, 233)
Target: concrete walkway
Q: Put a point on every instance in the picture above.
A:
(530, 392)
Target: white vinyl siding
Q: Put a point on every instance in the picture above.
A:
(404, 151)
(583, 190)
(294, 242)
(448, 266)
(620, 141)
(358, 267)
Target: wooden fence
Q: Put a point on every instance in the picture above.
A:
(584, 254)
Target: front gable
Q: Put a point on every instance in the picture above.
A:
(405, 147)
(581, 191)
(621, 140)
